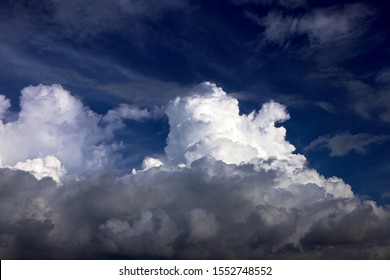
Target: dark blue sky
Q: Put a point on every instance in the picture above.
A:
(328, 61)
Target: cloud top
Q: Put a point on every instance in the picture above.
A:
(208, 123)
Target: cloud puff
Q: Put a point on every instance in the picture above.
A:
(55, 133)
(194, 202)
(344, 143)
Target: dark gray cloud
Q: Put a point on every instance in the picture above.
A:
(212, 210)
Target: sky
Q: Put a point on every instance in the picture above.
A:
(189, 129)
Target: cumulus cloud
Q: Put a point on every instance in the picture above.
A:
(208, 123)
(256, 199)
(55, 133)
(345, 143)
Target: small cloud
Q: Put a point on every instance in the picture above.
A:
(385, 196)
(370, 101)
(48, 166)
(328, 107)
(320, 26)
(345, 143)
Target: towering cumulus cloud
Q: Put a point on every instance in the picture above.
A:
(208, 123)
(229, 185)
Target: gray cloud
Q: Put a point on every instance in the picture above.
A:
(369, 100)
(212, 210)
(345, 143)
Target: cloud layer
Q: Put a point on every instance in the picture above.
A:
(228, 186)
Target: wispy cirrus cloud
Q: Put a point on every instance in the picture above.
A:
(368, 98)
(79, 20)
(321, 26)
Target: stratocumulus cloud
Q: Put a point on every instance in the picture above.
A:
(229, 185)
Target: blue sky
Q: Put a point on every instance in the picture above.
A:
(327, 62)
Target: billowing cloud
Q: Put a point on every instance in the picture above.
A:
(208, 123)
(55, 133)
(197, 200)
(345, 143)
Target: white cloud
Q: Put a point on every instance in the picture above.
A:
(115, 117)
(150, 162)
(49, 166)
(55, 132)
(208, 123)
(345, 143)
